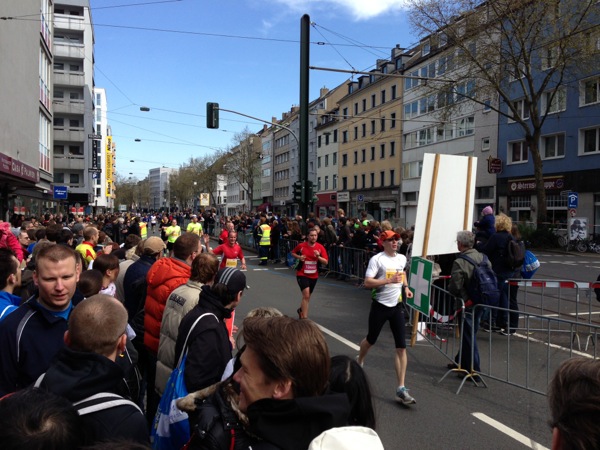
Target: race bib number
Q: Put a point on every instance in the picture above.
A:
(310, 267)
(231, 263)
(390, 273)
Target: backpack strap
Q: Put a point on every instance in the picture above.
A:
(185, 349)
(101, 402)
(20, 329)
(471, 260)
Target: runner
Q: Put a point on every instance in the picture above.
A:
(194, 226)
(153, 221)
(172, 233)
(385, 276)
(311, 253)
(231, 251)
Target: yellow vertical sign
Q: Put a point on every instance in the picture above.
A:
(109, 165)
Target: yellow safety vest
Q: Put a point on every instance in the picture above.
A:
(265, 238)
(144, 230)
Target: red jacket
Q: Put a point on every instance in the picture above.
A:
(164, 277)
(8, 240)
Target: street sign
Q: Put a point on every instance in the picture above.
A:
(204, 199)
(572, 212)
(96, 137)
(60, 192)
(573, 200)
(494, 165)
(95, 170)
(421, 271)
(360, 198)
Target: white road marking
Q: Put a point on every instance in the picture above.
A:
(343, 340)
(259, 270)
(281, 268)
(509, 432)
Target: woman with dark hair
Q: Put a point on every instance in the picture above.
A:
(208, 346)
(346, 376)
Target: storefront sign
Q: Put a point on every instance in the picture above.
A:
(494, 165)
(343, 196)
(528, 184)
(18, 169)
(387, 205)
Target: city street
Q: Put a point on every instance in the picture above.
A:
(500, 415)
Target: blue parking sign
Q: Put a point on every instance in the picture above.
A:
(573, 200)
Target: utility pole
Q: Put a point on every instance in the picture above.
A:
(303, 151)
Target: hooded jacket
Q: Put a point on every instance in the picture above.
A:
(181, 301)
(79, 375)
(293, 424)
(8, 303)
(164, 276)
(209, 349)
(8, 240)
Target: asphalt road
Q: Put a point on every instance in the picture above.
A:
(499, 416)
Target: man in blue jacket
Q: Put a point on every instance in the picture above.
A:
(34, 333)
(10, 278)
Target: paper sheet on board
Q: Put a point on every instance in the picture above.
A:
(453, 198)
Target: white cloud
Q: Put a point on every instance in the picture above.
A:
(358, 9)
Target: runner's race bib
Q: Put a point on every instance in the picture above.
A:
(310, 267)
(231, 263)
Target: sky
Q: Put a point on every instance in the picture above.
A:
(173, 56)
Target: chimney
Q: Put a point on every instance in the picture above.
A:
(323, 92)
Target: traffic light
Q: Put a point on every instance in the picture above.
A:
(307, 192)
(297, 191)
(212, 115)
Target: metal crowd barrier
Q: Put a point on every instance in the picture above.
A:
(556, 298)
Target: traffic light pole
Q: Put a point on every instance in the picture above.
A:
(303, 151)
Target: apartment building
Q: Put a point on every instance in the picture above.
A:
(369, 158)
(26, 108)
(103, 157)
(439, 117)
(160, 191)
(286, 162)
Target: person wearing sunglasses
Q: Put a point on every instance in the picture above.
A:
(385, 277)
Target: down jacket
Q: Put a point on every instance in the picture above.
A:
(164, 276)
(180, 302)
(8, 240)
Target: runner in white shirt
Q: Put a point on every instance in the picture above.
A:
(385, 276)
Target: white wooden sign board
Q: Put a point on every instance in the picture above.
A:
(446, 202)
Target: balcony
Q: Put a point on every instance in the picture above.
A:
(68, 107)
(71, 23)
(62, 78)
(71, 163)
(69, 135)
(71, 51)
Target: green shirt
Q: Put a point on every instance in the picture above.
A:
(173, 232)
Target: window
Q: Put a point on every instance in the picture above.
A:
(487, 105)
(393, 91)
(335, 177)
(74, 178)
(327, 138)
(554, 101)
(344, 159)
(590, 140)
(355, 181)
(485, 144)
(392, 177)
(318, 183)
(363, 180)
(363, 153)
(335, 136)
(522, 111)
(382, 151)
(393, 120)
(517, 152)
(355, 133)
(372, 176)
(411, 110)
(318, 141)
(326, 182)
(326, 160)
(465, 90)
(516, 72)
(355, 156)
(345, 113)
(426, 48)
(344, 136)
(383, 96)
(364, 104)
(319, 162)
(392, 148)
(549, 57)
(412, 169)
(553, 146)
(373, 100)
(372, 153)
(410, 196)
(465, 126)
(442, 39)
(44, 142)
(59, 122)
(482, 192)
(426, 136)
(591, 92)
(383, 124)
(344, 183)
(382, 178)
(59, 177)
(334, 159)
(356, 109)
(445, 132)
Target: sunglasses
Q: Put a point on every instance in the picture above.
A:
(392, 240)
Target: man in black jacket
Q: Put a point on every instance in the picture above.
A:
(87, 367)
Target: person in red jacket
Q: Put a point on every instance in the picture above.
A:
(164, 276)
(9, 240)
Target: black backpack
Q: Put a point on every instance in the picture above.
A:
(514, 256)
(483, 286)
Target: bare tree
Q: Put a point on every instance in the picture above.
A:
(519, 54)
(242, 161)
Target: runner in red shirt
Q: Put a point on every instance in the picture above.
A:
(231, 251)
(311, 253)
